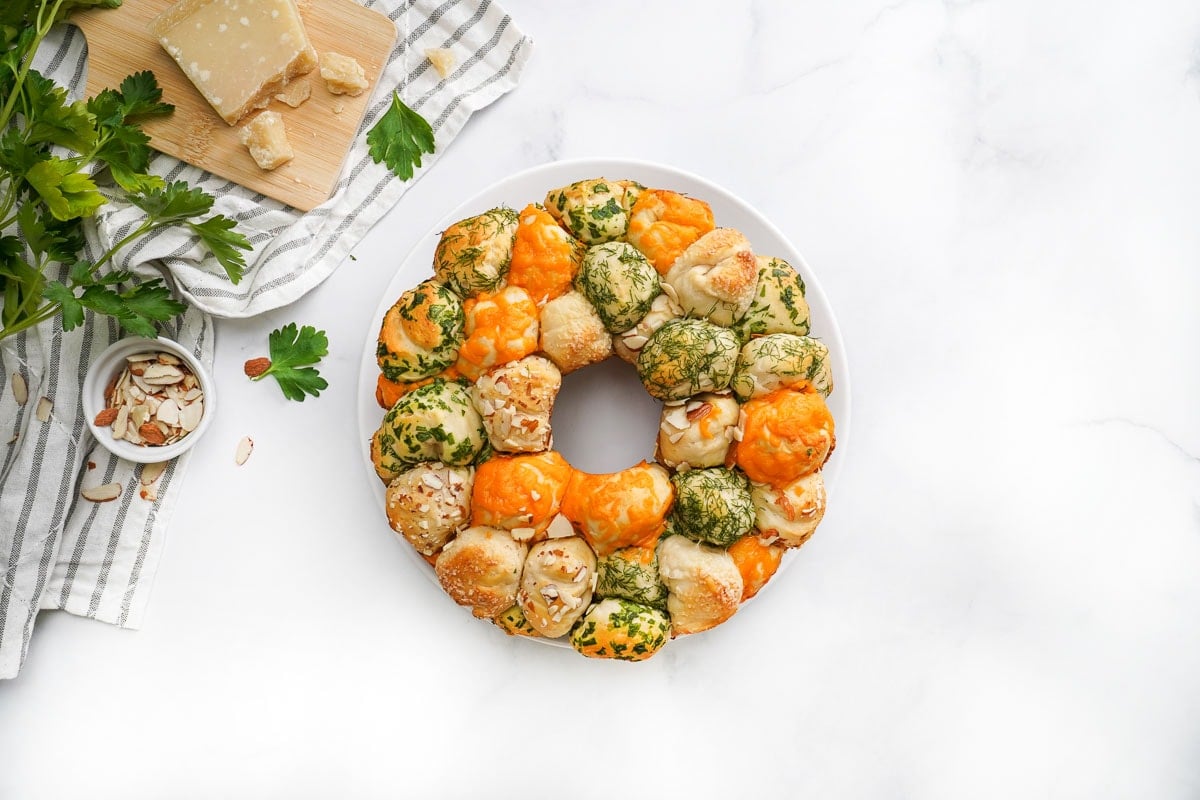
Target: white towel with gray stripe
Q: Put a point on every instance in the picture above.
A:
(59, 551)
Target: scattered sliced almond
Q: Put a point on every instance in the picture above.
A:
(103, 493)
(244, 448)
(20, 389)
(151, 472)
(44, 407)
(559, 528)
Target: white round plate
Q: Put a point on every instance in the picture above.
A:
(623, 433)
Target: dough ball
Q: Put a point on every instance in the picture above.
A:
(687, 356)
(618, 628)
(573, 334)
(556, 585)
(781, 360)
(473, 255)
(421, 333)
(619, 283)
(516, 400)
(481, 569)
(595, 210)
(704, 586)
(697, 432)
(428, 503)
(715, 277)
(779, 305)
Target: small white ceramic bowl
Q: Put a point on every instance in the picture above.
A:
(108, 366)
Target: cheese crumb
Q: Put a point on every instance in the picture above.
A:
(442, 59)
(295, 93)
(342, 74)
(266, 139)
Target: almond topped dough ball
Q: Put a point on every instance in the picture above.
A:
(421, 333)
(481, 569)
(434, 422)
(704, 586)
(556, 585)
(687, 356)
(715, 277)
(516, 400)
(473, 255)
(428, 503)
(697, 432)
(595, 210)
(781, 361)
(779, 305)
(789, 514)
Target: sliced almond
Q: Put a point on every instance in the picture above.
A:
(162, 374)
(168, 412)
(135, 358)
(20, 389)
(103, 493)
(151, 472)
(244, 448)
(560, 528)
(121, 422)
(189, 415)
(44, 407)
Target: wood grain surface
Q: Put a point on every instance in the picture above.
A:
(119, 43)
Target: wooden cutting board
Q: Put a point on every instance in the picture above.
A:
(119, 43)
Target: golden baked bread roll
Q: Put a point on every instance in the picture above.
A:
(715, 277)
(697, 432)
(556, 584)
(480, 568)
(704, 586)
(572, 334)
(789, 513)
(515, 401)
(428, 503)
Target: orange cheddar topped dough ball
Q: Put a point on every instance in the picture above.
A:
(757, 561)
(619, 509)
(520, 494)
(663, 224)
(500, 327)
(545, 257)
(785, 435)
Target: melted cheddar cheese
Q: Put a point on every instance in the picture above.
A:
(545, 257)
(786, 435)
(500, 327)
(619, 509)
(519, 492)
(757, 561)
(663, 224)
(388, 392)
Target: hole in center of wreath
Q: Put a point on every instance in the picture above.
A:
(603, 419)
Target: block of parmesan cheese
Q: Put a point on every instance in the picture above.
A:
(238, 53)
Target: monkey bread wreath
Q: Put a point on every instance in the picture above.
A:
(471, 359)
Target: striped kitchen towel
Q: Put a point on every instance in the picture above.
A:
(59, 551)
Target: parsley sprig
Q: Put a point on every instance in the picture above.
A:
(55, 155)
(399, 138)
(292, 351)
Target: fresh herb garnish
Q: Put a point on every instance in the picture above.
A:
(46, 192)
(292, 350)
(399, 138)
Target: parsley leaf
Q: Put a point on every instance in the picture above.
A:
(399, 138)
(292, 351)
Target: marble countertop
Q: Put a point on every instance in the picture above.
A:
(1000, 200)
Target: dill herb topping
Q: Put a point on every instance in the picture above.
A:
(687, 356)
(779, 304)
(619, 282)
(712, 505)
(631, 573)
(473, 255)
(781, 360)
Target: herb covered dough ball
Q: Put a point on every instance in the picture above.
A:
(712, 505)
(687, 356)
(421, 333)
(473, 255)
(595, 210)
(779, 305)
(434, 422)
(782, 361)
(631, 573)
(618, 628)
(619, 283)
